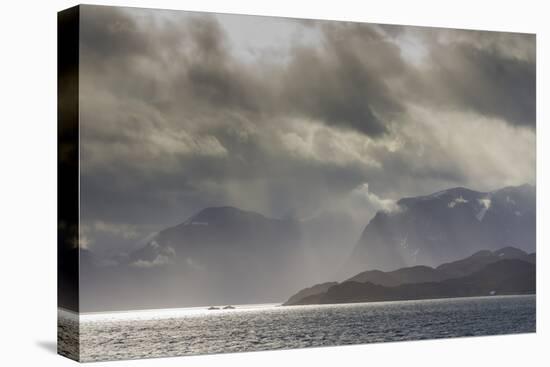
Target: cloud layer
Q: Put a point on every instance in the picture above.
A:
(180, 111)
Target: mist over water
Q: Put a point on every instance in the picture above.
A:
(163, 333)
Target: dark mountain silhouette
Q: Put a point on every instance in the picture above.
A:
(422, 274)
(248, 235)
(504, 277)
(481, 258)
(311, 291)
(217, 237)
(221, 255)
(449, 224)
(414, 274)
(455, 269)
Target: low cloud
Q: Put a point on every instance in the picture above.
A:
(459, 200)
(485, 204)
(123, 230)
(164, 257)
(372, 200)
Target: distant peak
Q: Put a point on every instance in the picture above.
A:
(482, 253)
(465, 194)
(221, 209)
(524, 187)
(458, 192)
(461, 193)
(509, 251)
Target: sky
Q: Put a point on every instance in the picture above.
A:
(286, 117)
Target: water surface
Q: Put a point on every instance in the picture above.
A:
(157, 333)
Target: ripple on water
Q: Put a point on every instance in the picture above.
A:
(175, 333)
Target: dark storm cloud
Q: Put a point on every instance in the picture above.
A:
(109, 33)
(211, 74)
(174, 120)
(484, 81)
(338, 84)
(490, 73)
(344, 82)
(133, 95)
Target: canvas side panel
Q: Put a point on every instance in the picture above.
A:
(68, 182)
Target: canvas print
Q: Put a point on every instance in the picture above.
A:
(234, 183)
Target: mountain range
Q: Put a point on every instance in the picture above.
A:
(224, 255)
(505, 271)
(220, 255)
(446, 225)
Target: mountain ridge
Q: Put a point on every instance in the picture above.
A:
(226, 255)
(462, 268)
(449, 224)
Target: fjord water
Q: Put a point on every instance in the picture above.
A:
(179, 332)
